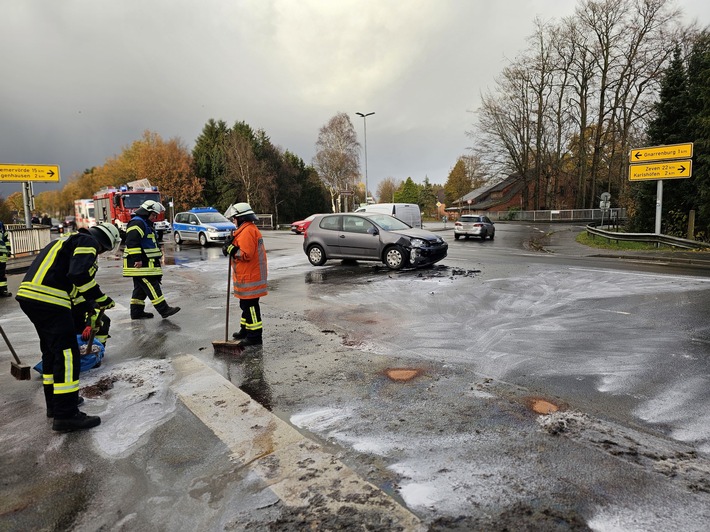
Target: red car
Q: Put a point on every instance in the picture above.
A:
(300, 226)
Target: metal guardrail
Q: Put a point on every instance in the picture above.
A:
(648, 237)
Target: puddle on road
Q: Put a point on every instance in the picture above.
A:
(541, 406)
(403, 374)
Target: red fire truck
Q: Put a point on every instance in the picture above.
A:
(117, 205)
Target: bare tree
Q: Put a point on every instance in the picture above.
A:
(386, 189)
(337, 158)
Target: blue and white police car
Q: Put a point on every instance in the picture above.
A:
(203, 225)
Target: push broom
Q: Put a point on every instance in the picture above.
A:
(18, 370)
(227, 346)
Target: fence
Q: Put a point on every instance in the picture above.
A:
(568, 216)
(27, 241)
(266, 221)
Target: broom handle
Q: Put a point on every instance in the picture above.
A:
(17, 359)
(229, 282)
(93, 331)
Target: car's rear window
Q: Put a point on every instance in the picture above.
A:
(470, 219)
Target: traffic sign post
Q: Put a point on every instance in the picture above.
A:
(678, 166)
(29, 172)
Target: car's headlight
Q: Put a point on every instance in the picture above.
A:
(211, 229)
(417, 243)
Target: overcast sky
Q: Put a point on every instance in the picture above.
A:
(82, 79)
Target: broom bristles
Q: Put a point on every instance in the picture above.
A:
(21, 372)
(227, 347)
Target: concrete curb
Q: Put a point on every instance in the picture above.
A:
(297, 470)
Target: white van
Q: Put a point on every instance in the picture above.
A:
(409, 213)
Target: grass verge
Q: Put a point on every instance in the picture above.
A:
(620, 245)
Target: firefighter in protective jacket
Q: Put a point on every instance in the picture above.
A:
(4, 255)
(141, 260)
(62, 273)
(249, 271)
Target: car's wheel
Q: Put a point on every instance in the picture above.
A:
(316, 255)
(456, 236)
(395, 258)
(203, 239)
(177, 237)
(492, 236)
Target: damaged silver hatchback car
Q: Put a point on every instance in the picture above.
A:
(372, 237)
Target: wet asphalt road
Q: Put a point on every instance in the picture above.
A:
(428, 384)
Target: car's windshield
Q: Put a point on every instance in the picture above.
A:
(388, 223)
(133, 201)
(212, 218)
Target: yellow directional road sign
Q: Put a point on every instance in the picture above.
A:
(670, 170)
(29, 172)
(661, 153)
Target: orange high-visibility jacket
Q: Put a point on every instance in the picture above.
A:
(249, 270)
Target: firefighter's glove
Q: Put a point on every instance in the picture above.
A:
(225, 249)
(230, 249)
(86, 333)
(105, 303)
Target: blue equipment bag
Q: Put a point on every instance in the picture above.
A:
(86, 362)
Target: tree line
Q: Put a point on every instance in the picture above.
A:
(565, 113)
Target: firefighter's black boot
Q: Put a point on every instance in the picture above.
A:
(5, 293)
(240, 334)
(167, 311)
(79, 421)
(138, 313)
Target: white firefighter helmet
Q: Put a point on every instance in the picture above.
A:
(107, 234)
(152, 206)
(239, 209)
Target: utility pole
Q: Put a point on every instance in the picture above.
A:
(364, 120)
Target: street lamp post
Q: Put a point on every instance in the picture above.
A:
(364, 121)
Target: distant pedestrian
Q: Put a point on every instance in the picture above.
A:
(62, 273)
(141, 260)
(249, 272)
(46, 220)
(4, 255)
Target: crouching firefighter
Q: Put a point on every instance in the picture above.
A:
(62, 272)
(141, 260)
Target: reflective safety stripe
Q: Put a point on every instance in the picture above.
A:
(47, 379)
(154, 297)
(45, 294)
(140, 272)
(254, 325)
(88, 251)
(69, 385)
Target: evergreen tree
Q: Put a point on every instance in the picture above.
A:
(669, 126)
(209, 160)
(407, 193)
(699, 96)
(458, 184)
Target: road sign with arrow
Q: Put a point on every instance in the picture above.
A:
(669, 170)
(661, 153)
(29, 172)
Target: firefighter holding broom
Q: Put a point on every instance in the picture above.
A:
(62, 272)
(248, 255)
